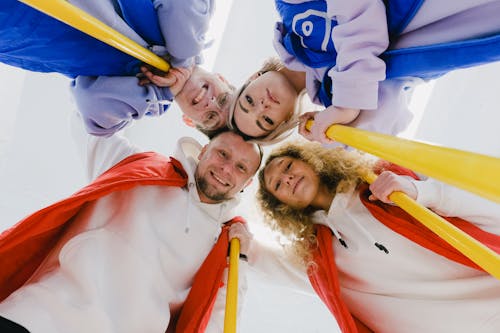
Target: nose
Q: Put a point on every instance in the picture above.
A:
(287, 178)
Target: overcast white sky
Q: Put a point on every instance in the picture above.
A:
(39, 165)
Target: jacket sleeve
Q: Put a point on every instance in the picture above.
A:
(216, 322)
(447, 200)
(359, 38)
(99, 153)
(184, 24)
(108, 104)
(272, 265)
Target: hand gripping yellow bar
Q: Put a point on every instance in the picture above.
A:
(473, 172)
(415, 155)
(79, 19)
(232, 287)
(482, 255)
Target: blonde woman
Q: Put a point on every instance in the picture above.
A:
(376, 268)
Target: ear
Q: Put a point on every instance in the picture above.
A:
(188, 121)
(202, 152)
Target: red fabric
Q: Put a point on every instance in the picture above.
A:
(324, 276)
(324, 280)
(401, 222)
(201, 298)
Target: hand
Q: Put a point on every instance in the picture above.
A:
(328, 117)
(175, 78)
(240, 231)
(388, 182)
(303, 119)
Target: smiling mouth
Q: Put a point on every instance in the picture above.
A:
(271, 97)
(297, 184)
(219, 180)
(201, 95)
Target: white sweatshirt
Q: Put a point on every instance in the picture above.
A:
(412, 289)
(127, 258)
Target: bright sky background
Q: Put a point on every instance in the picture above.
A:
(39, 165)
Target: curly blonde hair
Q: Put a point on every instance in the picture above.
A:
(283, 130)
(337, 168)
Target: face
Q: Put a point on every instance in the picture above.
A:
(226, 166)
(267, 101)
(291, 181)
(205, 99)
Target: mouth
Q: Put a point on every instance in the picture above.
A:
(201, 95)
(295, 187)
(219, 179)
(272, 97)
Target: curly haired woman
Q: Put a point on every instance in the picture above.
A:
(386, 273)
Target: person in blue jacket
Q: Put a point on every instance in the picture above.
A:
(104, 79)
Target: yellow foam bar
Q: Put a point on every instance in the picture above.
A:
(474, 250)
(232, 288)
(79, 19)
(473, 172)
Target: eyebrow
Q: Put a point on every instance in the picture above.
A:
(241, 106)
(270, 179)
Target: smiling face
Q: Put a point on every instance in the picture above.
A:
(226, 166)
(267, 101)
(292, 181)
(205, 99)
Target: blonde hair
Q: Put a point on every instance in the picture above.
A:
(337, 168)
(284, 129)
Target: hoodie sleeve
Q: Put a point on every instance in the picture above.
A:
(108, 104)
(360, 37)
(184, 24)
(447, 200)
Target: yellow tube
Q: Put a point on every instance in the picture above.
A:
(473, 172)
(232, 288)
(79, 19)
(474, 250)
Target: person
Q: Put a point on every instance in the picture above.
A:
(362, 60)
(381, 270)
(150, 233)
(104, 85)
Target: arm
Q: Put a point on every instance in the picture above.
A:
(360, 37)
(184, 25)
(444, 199)
(108, 104)
(98, 153)
(216, 323)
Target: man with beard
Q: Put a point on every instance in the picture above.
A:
(143, 247)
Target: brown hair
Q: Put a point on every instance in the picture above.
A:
(337, 168)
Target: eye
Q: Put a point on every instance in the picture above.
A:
(211, 119)
(289, 165)
(222, 154)
(277, 186)
(242, 168)
(268, 120)
(249, 99)
(222, 100)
